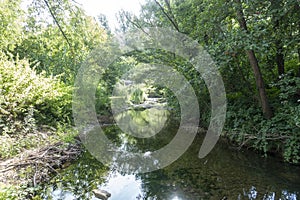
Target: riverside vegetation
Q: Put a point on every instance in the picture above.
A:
(255, 45)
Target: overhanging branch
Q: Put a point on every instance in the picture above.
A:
(56, 21)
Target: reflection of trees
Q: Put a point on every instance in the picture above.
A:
(134, 153)
(78, 180)
(185, 183)
(142, 123)
(196, 183)
(221, 173)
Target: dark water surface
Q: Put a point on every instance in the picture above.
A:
(224, 173)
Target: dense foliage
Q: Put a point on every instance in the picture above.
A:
(41, 50)
(10, 17)
(256, 47)
(28, 98)
(59, 41)
(254, 43)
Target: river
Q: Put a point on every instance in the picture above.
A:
(225, 173)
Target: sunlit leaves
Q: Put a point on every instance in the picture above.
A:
(10, 20)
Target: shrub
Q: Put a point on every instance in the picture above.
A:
(28, 98)
(247, 126)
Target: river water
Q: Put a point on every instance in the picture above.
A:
(224, 174)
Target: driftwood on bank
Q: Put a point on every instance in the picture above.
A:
(35, 166)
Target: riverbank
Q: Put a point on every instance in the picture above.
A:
(24, 169)
(28, 160)
(224, 172)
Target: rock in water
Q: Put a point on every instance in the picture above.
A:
(147, 154)
(101, 194)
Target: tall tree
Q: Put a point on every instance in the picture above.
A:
(254, 64)
(61, 41)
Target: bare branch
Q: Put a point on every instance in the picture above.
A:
(56, 21)
(167, 15)
(136, 24)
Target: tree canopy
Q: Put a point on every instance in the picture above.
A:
(255, 45)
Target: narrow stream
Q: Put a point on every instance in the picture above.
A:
(224, 174)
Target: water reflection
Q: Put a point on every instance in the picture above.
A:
(123, 186)
(182, 180)
(224, 173)
(131, 154)
(142, 123)
(252, 194)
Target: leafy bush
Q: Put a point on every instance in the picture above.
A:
(28, 98)
(10, 29)
(13, 192)
(247, 126)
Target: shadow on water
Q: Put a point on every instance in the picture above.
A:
(224, 173)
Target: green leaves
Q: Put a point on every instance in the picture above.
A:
(28, 98)
(246, 126)
(60, 50)
(10, 19)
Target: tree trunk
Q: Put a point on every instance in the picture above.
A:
(279, 59)
(278, 43)
(255, 67)
(299, 54)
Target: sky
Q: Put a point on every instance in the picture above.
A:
(107, 7)
(110, 8)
